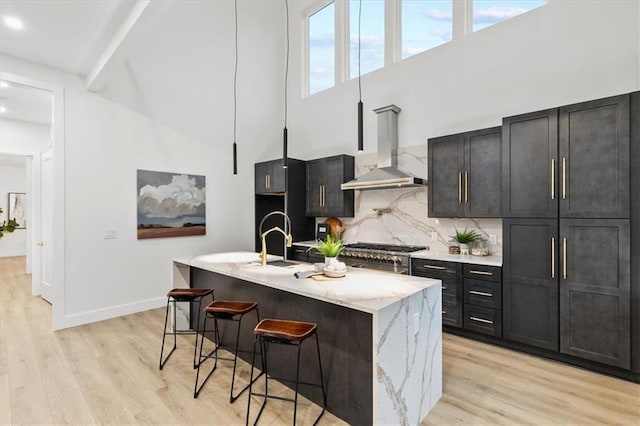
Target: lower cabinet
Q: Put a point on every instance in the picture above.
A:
(567, 287)
(471, 294)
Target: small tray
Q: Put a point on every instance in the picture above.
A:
(326, 278)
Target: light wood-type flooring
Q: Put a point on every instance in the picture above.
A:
(107, 373)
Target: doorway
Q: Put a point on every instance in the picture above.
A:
(28, 104)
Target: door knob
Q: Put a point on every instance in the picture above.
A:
(41, 243)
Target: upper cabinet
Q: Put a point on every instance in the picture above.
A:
(269, 177)
(572, 161)
(324, 195)
(464, 174)
(594, 159)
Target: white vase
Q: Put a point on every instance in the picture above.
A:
(331, 261)
(464, 248)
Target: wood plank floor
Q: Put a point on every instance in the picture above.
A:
(107, 373)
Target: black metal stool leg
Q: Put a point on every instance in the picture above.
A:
(195, 345)
(253, 359)
(164, 335)
(295, 398)
(196, 389)
(324, 393)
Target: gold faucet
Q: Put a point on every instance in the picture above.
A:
(263, 252)
(287, 235)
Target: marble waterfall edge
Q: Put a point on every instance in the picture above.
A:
(408, 359)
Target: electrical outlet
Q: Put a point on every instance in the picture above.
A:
(110, 233)
(416, 323)
(493, 239)
(434, 236)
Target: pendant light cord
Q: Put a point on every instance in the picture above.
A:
(286, 68)
(235, 76)
(359, 36)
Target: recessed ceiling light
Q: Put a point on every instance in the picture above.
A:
(3, 109)
(3, 84)
(13, 22)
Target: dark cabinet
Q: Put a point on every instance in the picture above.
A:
(595, 290)
(324, 196)
(450, 273)
(530, 281)
(465, 174)
(482, 286)
(273, 190)
(529, 165)
(269, 177)
(594, 159)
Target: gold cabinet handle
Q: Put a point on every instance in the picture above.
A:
(564, 258)
(441, 268)
(324, 196)
(459, 187)
(444, 312)
(553, 257)
(444, 287)
(320, 194)
(553, 179)
(564, 178)
(466, 187)
(473, 271)
(480, 293)
(481, 320)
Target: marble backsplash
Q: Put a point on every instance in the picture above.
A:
(399, 216)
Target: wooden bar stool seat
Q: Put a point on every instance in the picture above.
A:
(175, 295)
(226, 310)
(284, 332)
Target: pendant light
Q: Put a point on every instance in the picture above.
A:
(235, 93)
(360, 124)
(285, 148)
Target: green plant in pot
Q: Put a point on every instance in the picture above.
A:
(7, 225)
(465, 238)
(330, 248)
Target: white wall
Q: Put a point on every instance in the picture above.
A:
(105, 143)
(20, 137)
(13, 178)
(564, 52)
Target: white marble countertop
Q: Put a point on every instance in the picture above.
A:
(493, 260)
(476, 260)
(362, 289)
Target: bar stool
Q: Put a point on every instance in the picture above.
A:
(183, 295)
(284, 332)
(224, 310)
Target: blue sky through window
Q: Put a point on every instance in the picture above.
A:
(425, 25)
(489, 12)
(371, 36)
(322, 47)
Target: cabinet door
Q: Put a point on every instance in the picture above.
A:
(530, 283)
(336, 201)
(594, 159)
(595, 290)
(529, 165)
(446, 161)
(269, 177)
(482, 173)
(314, 187)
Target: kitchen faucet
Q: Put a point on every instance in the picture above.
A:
(263, 235)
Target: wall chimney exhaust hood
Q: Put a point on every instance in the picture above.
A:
(386, 174)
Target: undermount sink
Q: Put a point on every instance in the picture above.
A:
(282, 263)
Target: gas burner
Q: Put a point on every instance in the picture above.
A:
(385, 247)
(388, 257)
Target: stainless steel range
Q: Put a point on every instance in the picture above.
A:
(387, 257)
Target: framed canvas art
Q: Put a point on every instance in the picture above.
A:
(170, 204)
(18, 208)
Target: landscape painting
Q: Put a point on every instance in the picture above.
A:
(170, 204)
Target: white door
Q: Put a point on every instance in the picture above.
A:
(46, 244)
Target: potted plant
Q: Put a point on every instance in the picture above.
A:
(330, 248)
(7, 225)
(465, 238)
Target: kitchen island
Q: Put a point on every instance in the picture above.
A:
(380, 333)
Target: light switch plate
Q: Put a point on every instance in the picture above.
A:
(110, 233)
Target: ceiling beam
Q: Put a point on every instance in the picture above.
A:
(140, 19)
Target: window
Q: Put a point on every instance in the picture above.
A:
(425, 25)
(371, 36)
(487, 13)
(322, 49)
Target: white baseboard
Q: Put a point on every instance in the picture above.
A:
(13, 253)
(74, 320)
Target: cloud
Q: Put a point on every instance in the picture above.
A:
(322, 40)
(443, 34)
(491, 15)
(438, 15)
(178, 198)
(367, 41)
